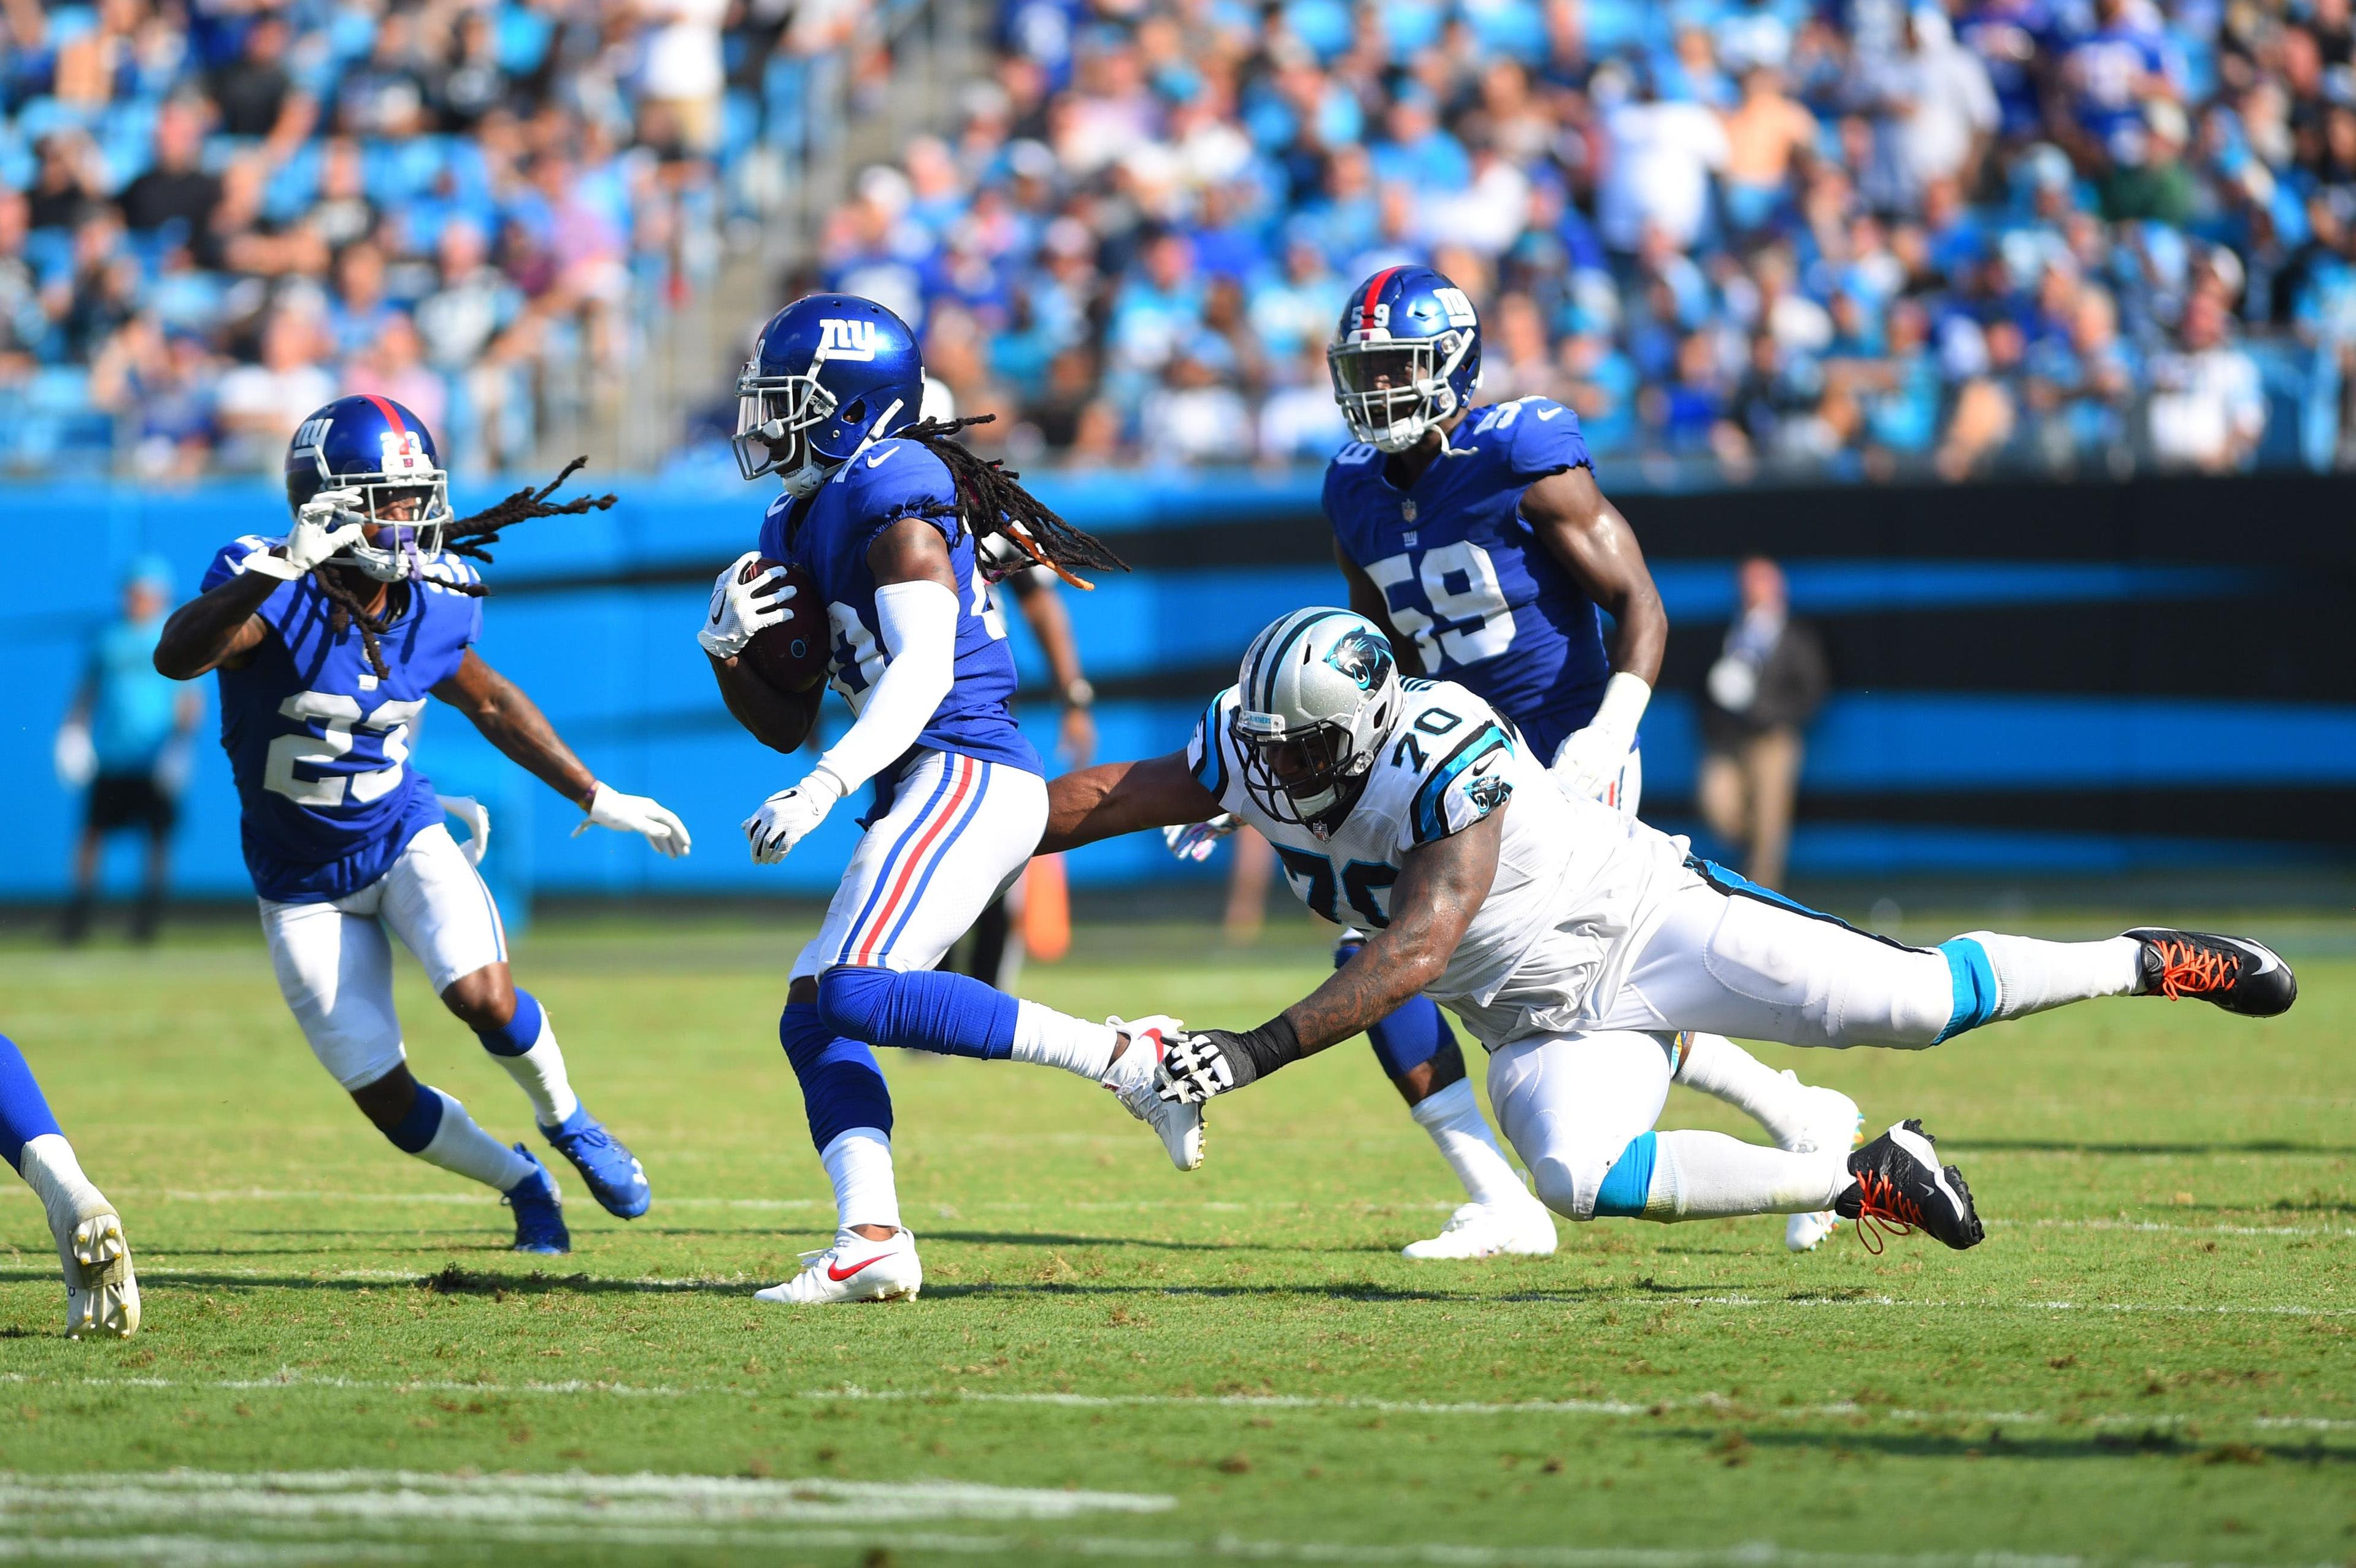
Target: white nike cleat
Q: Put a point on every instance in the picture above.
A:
(101, 1293)
(854, 1269)
(1487, 1230)
(1834, 1126)
(1132, 1082)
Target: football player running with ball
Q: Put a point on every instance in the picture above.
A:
(878, 524)
(327, 641)
(1477, 539)
(1577, 944)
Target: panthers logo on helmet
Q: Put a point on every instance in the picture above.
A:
(1363, 657)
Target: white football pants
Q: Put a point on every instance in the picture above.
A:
(335, 964)
(959, 831)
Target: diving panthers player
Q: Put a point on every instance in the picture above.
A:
(1578, 943)
(327, 641)
(101, 1293)
(1478, 540)
(882, 511)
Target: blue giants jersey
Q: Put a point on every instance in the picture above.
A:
(1467, 579)
(319, 746)
(827, 534)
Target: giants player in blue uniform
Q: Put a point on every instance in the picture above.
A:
(1478, 540)
(102, 1293)
(883, 511)
(327, 641)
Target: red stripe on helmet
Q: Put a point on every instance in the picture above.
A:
(391, 410)
(1374, 294)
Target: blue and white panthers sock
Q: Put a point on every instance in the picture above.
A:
(1689, 1175)
(2033, 975)
(527, 1047)
(438, 1131)
(25, 1112)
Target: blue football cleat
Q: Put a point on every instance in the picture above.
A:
(616, 1180)
(538, 1211)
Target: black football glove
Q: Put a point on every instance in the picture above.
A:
(1196, 1066)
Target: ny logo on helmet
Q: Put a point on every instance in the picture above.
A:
(405, 451)
(840, 339)
(1363, 657)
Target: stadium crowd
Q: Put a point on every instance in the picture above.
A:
(2072, 235)
(1736, 235)
(217, 213)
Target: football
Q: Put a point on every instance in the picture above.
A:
(791, 654)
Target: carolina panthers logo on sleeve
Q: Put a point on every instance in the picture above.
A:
(1468, 784)
(1365, 659)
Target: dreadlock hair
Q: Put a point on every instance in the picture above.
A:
(470, 537)
(991, 502)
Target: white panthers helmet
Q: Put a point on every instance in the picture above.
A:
(1317, 695)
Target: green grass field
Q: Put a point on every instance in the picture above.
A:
(2153, 1357)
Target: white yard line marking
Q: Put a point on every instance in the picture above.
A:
(944, 1210)
(683, 1512)
(1715, 1404)
(2156, 1225)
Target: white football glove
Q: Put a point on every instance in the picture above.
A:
(471, 812)
(1590, 759)
(75, 758)
(1194, 841)
(741, 609)
(325, 523)
(635, 814)
(790, 815)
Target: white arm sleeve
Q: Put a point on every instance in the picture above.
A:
(918, 621)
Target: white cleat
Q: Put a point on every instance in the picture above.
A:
(1488, 1231)
(854, 1269)
(1835, 1126)
(101, 1293)
(1181, 1126)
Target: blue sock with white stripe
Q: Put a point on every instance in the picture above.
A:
(954, 1015)
(25, 1112)
(526, 1046)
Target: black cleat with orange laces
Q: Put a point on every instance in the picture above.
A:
(2233, 972)
(1902, 1185)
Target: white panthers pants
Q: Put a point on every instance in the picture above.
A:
(1716, 963)
(959, 831)
(335, 964)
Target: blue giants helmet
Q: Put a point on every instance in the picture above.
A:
(829, 373)
(1406, 355)
(377, 448)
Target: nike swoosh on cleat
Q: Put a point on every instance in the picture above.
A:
(840, 1275)
(2267, 961)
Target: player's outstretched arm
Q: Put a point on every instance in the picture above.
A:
(1114, 798)
(514, 723)
(216, 628)
(1440, 887)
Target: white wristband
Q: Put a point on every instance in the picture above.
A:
(1625, 697)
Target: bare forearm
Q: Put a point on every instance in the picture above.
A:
(1378, 981)
(514, 723)
(1113, 798)
(778, 720)
(212, 628)
(1641, 638)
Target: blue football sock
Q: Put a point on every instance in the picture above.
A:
(24, 1113)
(954, 1015)
(842, 1087)
(520, 1033)
(1410, 1037)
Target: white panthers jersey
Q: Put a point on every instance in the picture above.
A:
(1575, 879)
